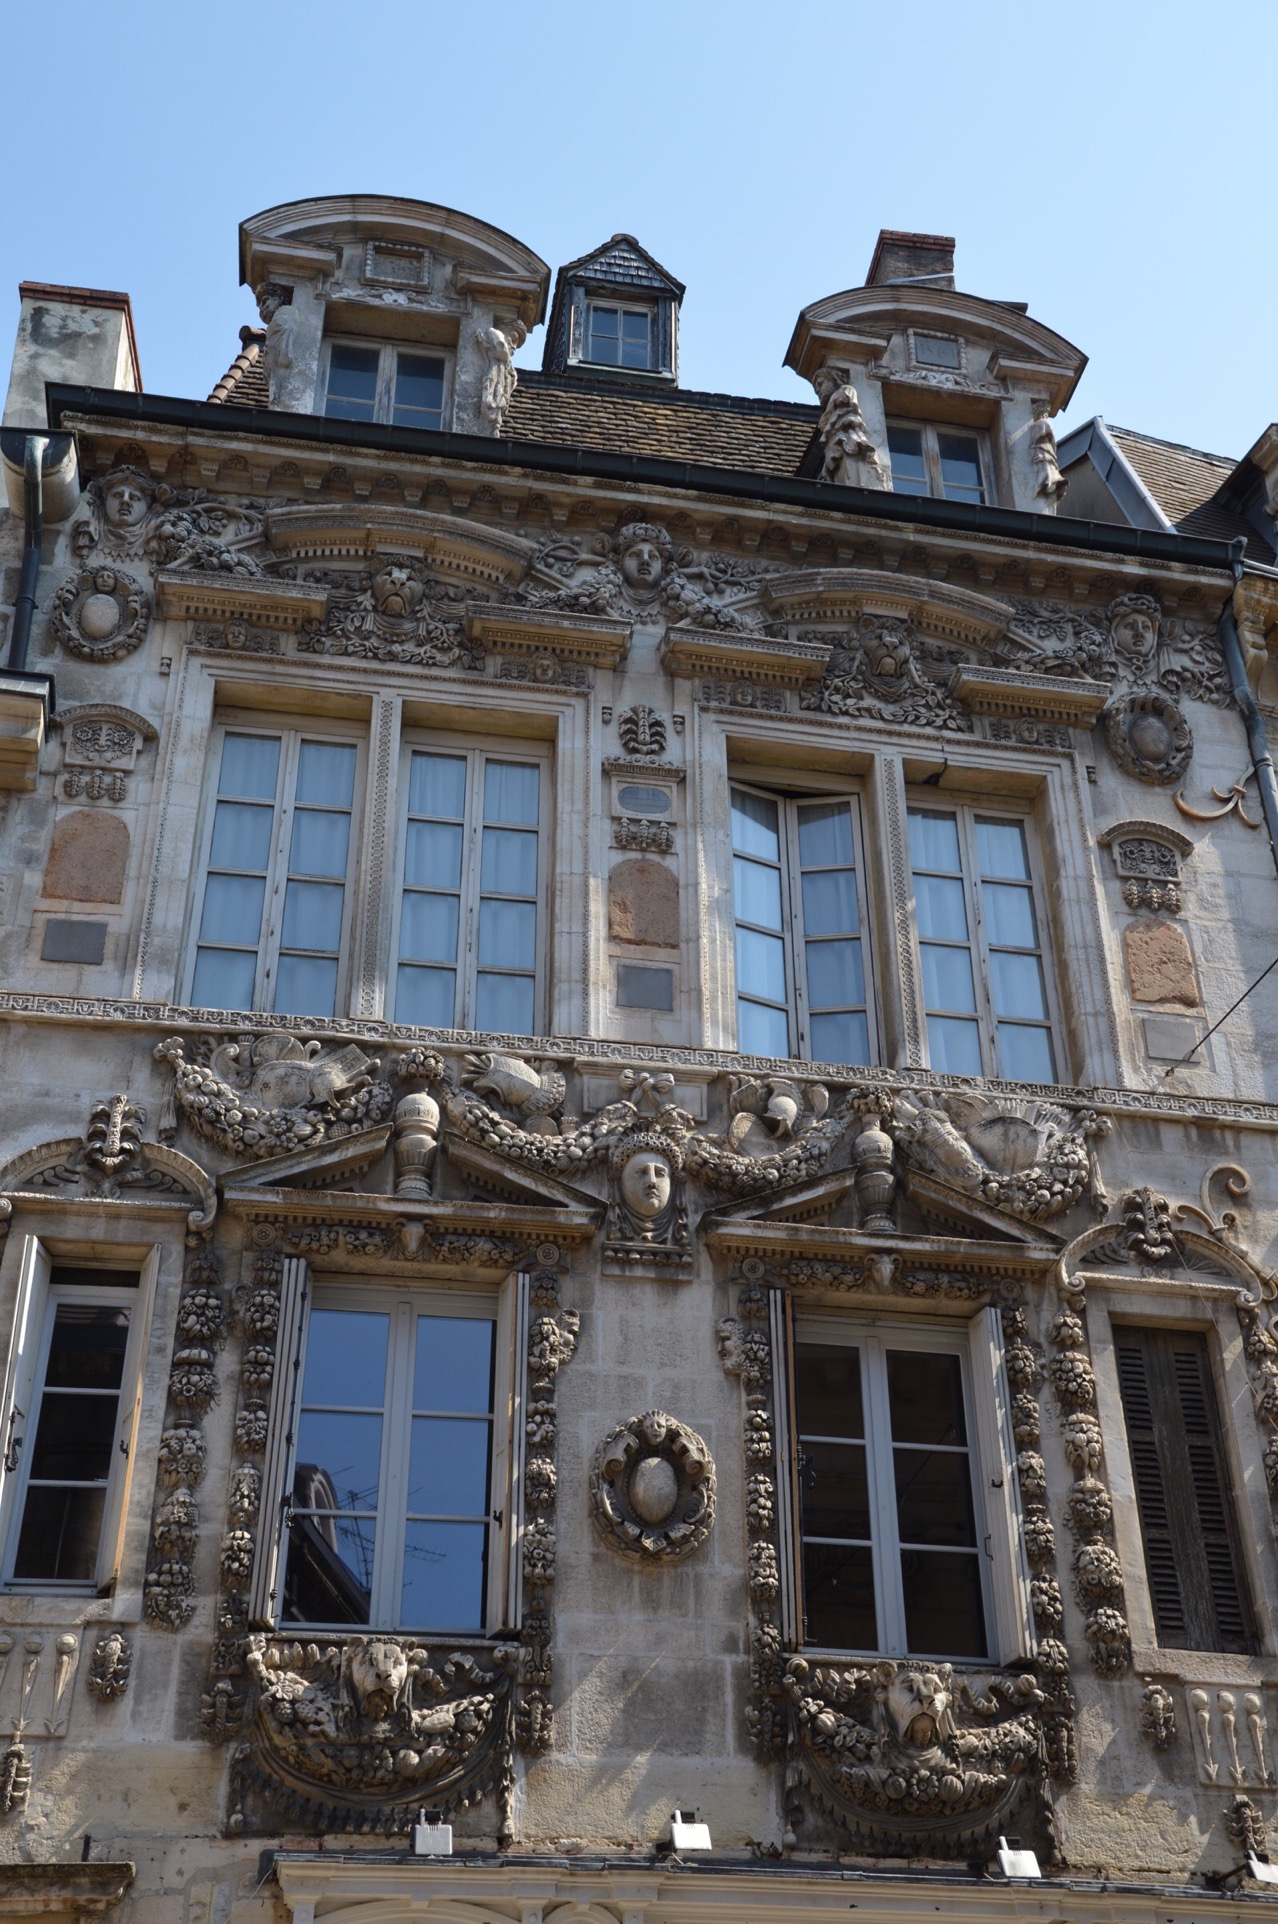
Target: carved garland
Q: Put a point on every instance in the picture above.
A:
(169, 1587)
(1089, 1511)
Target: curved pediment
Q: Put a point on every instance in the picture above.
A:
(464, 550)
(952, 614)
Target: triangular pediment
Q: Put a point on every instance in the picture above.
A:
(495, 1178)
(332, 1164)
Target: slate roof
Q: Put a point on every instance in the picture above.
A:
(1179, 478)
(718, 430)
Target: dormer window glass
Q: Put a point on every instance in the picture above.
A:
(385, 384)
(619, 336)
(938, 461)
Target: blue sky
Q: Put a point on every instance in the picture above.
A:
(1109, 163)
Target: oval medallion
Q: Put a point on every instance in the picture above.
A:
(654, 1489)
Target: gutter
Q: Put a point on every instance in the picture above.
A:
(951, 517)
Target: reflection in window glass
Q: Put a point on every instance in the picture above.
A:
(352, 382)
(419, 391)
(619, 336)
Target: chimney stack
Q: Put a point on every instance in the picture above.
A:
(927, 259)
(81, 335)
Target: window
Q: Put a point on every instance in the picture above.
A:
(471, 919)
(935, 460)
(390, 1516)
(1196, 1581)
(980, 948)
(890, 1514)
(70, 1423)
(619, 336)
(800, 970)
(385, 384)
(272, 927)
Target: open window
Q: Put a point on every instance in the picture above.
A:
(391, 1475)
(904, 1531)
(72, 1396)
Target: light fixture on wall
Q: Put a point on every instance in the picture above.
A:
(686, 1834)
(432, 1837)
(1261, 1870)
(1016, 1863)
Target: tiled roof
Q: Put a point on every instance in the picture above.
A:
(717, 430)
(245, 380)
(1179, 478)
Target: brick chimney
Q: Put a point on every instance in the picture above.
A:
(925, 258)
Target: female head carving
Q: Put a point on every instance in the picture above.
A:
(643, 552)
(126, 500)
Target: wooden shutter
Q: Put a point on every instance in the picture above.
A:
(34, 1269)
(1011, 1635)
(785, 1458)
(277, 1479)
(1196, 1579)
(511, 1448)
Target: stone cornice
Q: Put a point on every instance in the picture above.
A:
(1050, 698)
(261, 599)
(702, 1064)
(598, 641)
(746, 657)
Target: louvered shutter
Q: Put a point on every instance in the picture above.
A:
(1187, 1522)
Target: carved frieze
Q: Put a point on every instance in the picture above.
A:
(642, 577)
(652, 1488)
(394, 613)
(879, 672)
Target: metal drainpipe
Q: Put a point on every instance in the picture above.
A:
(32, 534)
(1257, 740)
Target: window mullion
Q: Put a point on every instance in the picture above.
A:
(388, 1571)
(889, 1600)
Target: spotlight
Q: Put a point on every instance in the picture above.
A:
(686, 1834)
(432, 1837)
(1264, 1873)
(1015, 1863)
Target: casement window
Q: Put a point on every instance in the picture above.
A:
(470, 932)
(905, 1534)
(1197, 1583)
(71, 1408)
(618, 336)
(406, 388)
(929, 458)
(801, 976)
(272, 929)
(389, 1471)
(981, 950)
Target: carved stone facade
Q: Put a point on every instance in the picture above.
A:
(949, 816)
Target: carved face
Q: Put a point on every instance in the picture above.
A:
(379, 1671)
(641, 566)
(918, 1702)
(646, 1183)
(124, 504)
(888, 650)
(396, 591)
(1135, 637)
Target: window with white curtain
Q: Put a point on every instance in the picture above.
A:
(272, 924)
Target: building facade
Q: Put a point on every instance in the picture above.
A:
(633, 1197)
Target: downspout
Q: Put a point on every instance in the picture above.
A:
(32, 536)
(1262, 761)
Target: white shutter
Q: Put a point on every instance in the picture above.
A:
(34, 1269)
(1013, 1627)
(785, 1460)
(281, 1436)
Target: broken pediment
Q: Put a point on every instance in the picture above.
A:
(111, 1162)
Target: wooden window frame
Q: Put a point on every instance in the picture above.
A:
(938, 802)
(508, 1305)
(1005, 1577)
(290, 730)
(388, 353)
(621, 307)
(37, 1298)
(932, 456)
(477, 751)
(798, 1013)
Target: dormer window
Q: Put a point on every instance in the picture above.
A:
(619, 336)
(932, 459)
(396, 385)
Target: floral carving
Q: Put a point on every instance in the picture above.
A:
(652, 1488)
(356, 1734)
(110, 1667)
(167, 1594)
(1030, 1157)
(271, 1093)
(181, 1455)
(912, 1763)
(875, 674)
(642, 731)
(643, 575)
(387, 618)
(1157, 1715)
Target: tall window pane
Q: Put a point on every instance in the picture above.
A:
(945, 953)
(352, 382)
(337, 1478)
(837, 1510)
(763, 1014)
(319, 847)
(909, 470)
(1018, 988)
(419, 391)
(240, 855)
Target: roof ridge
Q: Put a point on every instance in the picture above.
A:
(1179, 447)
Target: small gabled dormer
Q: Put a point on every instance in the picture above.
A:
(928, 391)
(615, 312)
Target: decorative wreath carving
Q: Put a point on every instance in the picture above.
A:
(100, 614)
(1148, 736)
(652, 1487)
